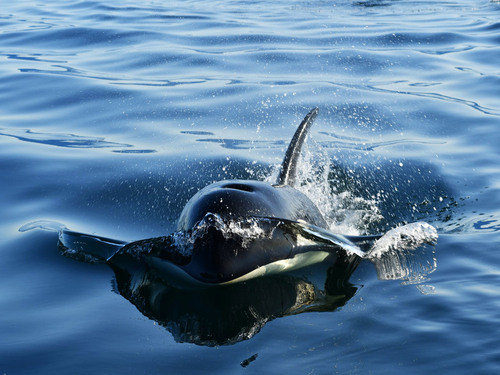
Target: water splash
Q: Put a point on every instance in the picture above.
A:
(408, 237)
(404, 253)
(344, 212)
(48, 225)
(245, 230)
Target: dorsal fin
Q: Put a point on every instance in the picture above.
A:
(289, 166)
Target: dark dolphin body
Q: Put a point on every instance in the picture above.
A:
(232, 231)
(236, 230)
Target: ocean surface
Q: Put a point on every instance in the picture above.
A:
(114, 113)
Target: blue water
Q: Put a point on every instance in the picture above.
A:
(113, 114)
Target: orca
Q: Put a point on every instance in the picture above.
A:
(204, 283)
(230, 231)
(236, 230)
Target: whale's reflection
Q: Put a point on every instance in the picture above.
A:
(225, 315)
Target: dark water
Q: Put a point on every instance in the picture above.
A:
(114, 114)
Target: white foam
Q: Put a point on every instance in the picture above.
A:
(401, 255)
(406, 237)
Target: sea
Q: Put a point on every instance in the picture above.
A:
(114, 113)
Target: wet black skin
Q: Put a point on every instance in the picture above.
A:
(212, 253)
(218, 258)
(243, 198)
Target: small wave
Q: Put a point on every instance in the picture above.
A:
(196, 132)
(112, 79)
(135, 151)
(79, 246)
(244, 144)
(469, 223)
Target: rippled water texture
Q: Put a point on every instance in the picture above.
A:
(113, 114)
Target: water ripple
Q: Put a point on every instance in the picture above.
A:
(72, 72)
(66, 140)
(432, 95)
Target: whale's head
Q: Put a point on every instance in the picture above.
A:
(230, 229)
(239, 199)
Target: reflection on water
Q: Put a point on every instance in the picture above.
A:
(232, 313)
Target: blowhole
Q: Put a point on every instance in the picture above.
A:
(242, 187)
